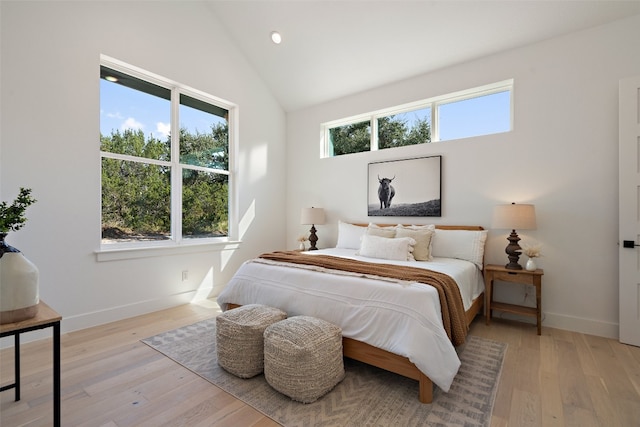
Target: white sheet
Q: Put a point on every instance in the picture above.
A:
(401, 317)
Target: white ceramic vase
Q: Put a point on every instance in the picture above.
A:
(19, 291)
(531, 265)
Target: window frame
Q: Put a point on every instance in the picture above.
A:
(149, 248)
(432, 103)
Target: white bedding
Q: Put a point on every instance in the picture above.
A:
(401, 317)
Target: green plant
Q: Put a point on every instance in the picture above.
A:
(12, 216)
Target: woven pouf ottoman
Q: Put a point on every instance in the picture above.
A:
(303, 357)
(239, 338)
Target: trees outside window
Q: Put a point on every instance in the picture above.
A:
(351, 138)
(409, 128)
(479, 111)
(165, 160)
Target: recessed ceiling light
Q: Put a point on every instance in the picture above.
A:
(111, 78)
(276, 37)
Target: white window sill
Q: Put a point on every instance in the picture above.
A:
(133, 252)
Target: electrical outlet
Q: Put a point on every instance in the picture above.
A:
(185, 275)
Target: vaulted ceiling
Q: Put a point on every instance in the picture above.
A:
(332, 49)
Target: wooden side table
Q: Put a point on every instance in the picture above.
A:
(498, 272)
(45, 318)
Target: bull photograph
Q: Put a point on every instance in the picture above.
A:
(409, 187)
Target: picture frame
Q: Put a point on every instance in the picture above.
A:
(408, 187)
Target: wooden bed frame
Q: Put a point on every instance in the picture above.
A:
(392, 362)
(375, 356)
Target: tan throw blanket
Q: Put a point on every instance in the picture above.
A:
(453, 314)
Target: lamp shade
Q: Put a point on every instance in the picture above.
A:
(514, 217)
(312, 216)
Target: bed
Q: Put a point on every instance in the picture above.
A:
(394, 324)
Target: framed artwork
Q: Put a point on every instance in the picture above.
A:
(410, 187)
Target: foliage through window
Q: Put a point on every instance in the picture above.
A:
(407, 128)
(161, 181)
(351, 138)
(479, 111)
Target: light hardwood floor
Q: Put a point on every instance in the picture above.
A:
(109, 378)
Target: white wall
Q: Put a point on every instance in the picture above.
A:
(50, 119)
(562, 156)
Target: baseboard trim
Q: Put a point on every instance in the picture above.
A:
(582, 325)
(112, 314)
(568, 323)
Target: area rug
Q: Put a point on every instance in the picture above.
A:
(368, 396)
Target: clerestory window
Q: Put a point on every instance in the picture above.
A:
(165, 161)
(479, 111)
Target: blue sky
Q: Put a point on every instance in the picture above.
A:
(478, 116)
(124, 108)
(471, 117)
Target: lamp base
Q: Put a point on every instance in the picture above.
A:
(513, 251)
(313, 238)
(513, 266)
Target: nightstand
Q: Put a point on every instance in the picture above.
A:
(498, 272)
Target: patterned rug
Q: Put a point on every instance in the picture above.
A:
(368, 396)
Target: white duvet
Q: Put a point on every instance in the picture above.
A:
(401, 317)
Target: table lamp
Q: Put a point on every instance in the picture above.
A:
(312, 216)
(513, 216)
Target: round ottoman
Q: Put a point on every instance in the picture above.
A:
(239, 338)
(303, 357)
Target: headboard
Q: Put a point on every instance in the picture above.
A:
(441, 227)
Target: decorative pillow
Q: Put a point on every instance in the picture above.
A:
(398, 249)
(417, 227)
(461, 244)
(422, 236)
(431, 227)
(349, 235)
(376, 230)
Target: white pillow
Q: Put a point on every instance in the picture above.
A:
(461, 244)
(423, 237)
(349, 235)
(398, 249)
(376, 230)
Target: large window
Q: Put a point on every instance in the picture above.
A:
(479, 111)
(165, 160)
